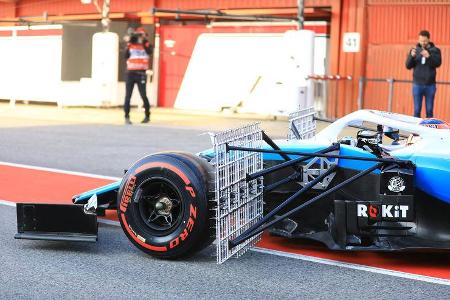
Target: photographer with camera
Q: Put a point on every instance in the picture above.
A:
(137, 54)
(424, 58)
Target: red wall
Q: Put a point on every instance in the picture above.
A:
(73, 7)
(7, 10)
(24, 8)
(387, 28)
(393, 30)
(347, 16)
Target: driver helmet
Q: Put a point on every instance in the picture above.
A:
(434, 123)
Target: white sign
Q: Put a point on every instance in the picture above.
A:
(351, 42)
(259, 80)
(169, 43)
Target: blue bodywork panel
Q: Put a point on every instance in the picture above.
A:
(84, 197)
(432, 176)
(432, 172)
(311, 148)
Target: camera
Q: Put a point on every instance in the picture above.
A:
(136, 36)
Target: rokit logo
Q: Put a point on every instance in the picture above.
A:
(385, 211)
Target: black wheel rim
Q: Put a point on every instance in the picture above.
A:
(159, 205)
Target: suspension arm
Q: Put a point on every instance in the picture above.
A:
(374, 159)
(287, 202)
(253, 176)
(250, 233)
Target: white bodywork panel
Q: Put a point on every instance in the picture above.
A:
(398, 121)
(435, 141)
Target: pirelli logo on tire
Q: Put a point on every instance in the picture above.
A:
(127, 193)
(162, 205)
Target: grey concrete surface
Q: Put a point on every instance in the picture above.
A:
(115, 269)
(98, 149)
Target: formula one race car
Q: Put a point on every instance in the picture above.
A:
(386, 188)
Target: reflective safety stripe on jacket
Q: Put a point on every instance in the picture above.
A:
(138, 59)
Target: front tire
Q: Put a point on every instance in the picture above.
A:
(164, 207)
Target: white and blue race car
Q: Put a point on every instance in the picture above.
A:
(385, 188)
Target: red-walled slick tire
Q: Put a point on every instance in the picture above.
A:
(164, 204)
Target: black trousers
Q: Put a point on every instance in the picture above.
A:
(139, 78)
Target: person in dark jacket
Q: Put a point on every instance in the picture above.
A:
(424, 58)
(137, 55)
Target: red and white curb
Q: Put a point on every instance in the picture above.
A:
(59, 171)
(7, 203)
(313, 259)
(335, 263)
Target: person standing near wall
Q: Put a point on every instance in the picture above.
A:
(424, 58)
(137, 55)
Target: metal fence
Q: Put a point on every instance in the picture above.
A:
(328, 87)
(392, 94)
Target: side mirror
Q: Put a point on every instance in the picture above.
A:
(393, 134)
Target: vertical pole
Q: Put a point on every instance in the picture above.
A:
(391, 93)
(336, 94)
(154, 82)
(301, 18)
(361, 92)
(105, 16)
(15, 77)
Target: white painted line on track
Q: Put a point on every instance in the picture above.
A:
(59, 171)
(353, 266)
(256, 249)
(7, 203)
(109, 222)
